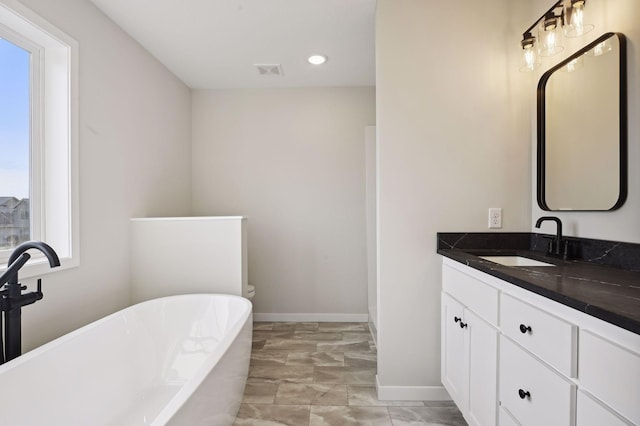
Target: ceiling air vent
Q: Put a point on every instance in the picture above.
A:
(269, 69)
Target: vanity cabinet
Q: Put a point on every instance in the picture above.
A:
(513, 357)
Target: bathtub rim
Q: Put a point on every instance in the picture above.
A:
(179, 399)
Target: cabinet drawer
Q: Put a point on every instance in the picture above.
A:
(532, 392)
(548, 337)
(611, 373)
(476, 295)
(592, 413)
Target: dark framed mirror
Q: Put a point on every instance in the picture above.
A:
(582, 129)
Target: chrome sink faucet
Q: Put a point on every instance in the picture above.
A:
(557, 242)
(12, 300)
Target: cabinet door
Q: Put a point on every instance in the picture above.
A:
(483, 371)
(455, 367)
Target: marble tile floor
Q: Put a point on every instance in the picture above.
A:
(323, 374)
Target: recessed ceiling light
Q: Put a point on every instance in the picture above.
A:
(317, 59)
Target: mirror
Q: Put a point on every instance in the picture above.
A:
(582, 129)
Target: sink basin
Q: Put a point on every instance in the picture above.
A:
(515, 261)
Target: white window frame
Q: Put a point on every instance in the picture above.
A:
(54, 134)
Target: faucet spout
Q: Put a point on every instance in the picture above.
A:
(45, 248)
(558, 239)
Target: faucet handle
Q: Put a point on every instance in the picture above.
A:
(32, 297)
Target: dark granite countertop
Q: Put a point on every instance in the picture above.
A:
(602, 279)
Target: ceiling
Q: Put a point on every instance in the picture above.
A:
(211, 44)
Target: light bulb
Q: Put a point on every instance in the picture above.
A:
(550, 39)
(529, 58)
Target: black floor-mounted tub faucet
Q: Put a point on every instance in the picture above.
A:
(12, 300)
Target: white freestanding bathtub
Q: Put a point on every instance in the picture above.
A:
(179, 360)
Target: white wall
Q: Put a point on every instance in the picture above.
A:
(623, 224)
(453, 141)
(292, 161)
(134, 157)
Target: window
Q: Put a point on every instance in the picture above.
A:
(38, 136)
(15, 141)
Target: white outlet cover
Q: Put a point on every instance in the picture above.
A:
(495, 217)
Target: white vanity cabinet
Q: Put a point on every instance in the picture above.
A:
(523, 359)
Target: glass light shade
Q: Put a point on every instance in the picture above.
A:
(530, 59)
(550, 37)
(575, 24)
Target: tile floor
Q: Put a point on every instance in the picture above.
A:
(324, 374)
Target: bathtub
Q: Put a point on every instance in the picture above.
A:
(179, 360)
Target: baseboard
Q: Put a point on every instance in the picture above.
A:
(260, 317)
(411, 393)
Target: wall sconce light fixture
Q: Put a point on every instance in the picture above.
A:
(565, 17)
